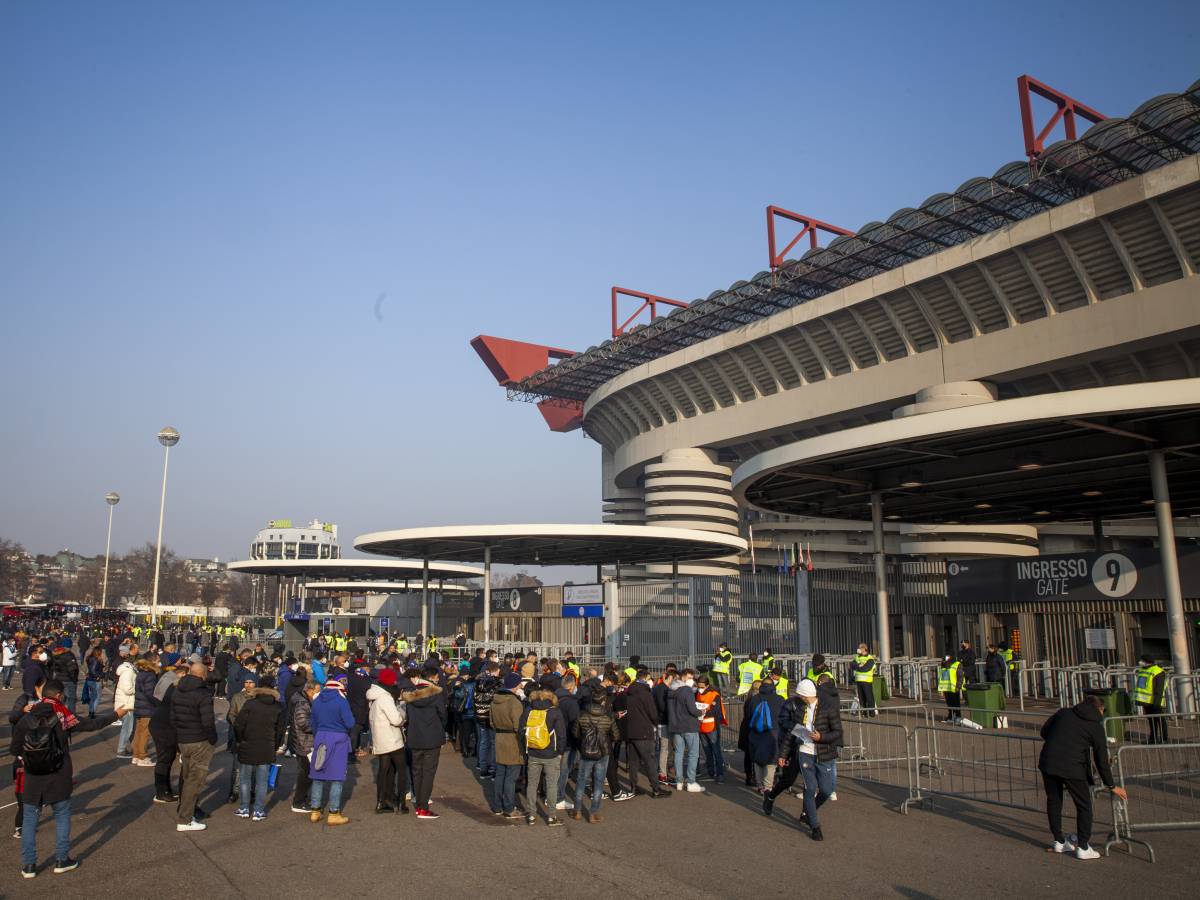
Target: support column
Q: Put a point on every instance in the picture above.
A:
(424, 602)
(487, 593)
(1176, 622)
(1098, 534)
(881, 595)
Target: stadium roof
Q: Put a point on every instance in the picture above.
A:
(1161, 130)
(353, 569)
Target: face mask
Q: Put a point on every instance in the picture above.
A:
(43, 657)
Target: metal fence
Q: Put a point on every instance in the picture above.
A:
(981, 766)
(1163, 784)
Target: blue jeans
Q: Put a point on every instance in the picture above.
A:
(62, 831)
(485, 748)
(504, 788)
(92, 688)
(7, 672)
(256, 776)
(820, 780)
(568, 764)
(714, 759)
(316, 794)
(691, 743)
(596, 770)
(70, 694)
(126, 733)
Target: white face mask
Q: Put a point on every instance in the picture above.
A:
(43, 657)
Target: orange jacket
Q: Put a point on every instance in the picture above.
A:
(716, 708)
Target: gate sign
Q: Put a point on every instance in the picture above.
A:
(576, 594)
(384, 623)
(514, 600)
(327, 625)
(297, 605)
(1116, 575)
(586, 611)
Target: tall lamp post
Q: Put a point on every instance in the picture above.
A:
(168, 437)
(112, 498)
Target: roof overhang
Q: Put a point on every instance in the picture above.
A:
(1069, 455)
(353, 569)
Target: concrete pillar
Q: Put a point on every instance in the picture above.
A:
(487, 594)
(1176, 622)
(881, 595)
(690, 489)
(424, 601)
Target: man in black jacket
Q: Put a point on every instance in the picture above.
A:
(51, 788)
(639, 721)
(196, 730)
(811, 746)
(426, 707)
(1074, 740)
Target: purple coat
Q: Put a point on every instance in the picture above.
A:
(331, 724)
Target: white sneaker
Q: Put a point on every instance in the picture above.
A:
(694, 788)
(191, 826)
(833, 796)
(1089, 853)
(679, 785)
(145, 761)
(1067, 846)
(564, 804)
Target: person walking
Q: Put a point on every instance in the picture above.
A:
(386, 718)
(332, 722)
(1149, 684)
(41, 743)
(425, 705)
(596, 732)
(684, 728)
(259, 727)
(507, 708)
(812, 745)
(545, 732)
(196, 729)
(1074, 740)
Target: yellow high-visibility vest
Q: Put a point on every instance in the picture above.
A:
(868, 676)
(948, 678)
(748, 673)
(722, 662)
(1143, 691)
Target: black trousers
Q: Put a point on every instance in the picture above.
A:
(391, 781)
(466, 737)
(785, 777)
(1158, 726)
(866, 697)
(424, 768)
(167, 746)
(614, 775)
(953, 704)
(1081, 796)
(641, 753)
(303, 781)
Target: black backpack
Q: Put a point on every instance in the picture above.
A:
(44, 751)
(591, 744)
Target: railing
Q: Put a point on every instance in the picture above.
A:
(1163, 785)
(982, 766)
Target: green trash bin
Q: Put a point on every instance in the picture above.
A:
(880, 688)
(1116, 703)
(984, 702)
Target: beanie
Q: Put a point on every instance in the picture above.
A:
(807, 689)
(387, 677)
(511, 680)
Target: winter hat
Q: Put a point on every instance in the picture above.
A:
(511, 680)
(807, 689)
(387, 677)
(336, 683)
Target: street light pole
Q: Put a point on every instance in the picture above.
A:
(168, 437)
(112, 498)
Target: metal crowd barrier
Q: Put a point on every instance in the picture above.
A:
(878, 752)
(981, 766)
(1163, 784)
(1157, 728)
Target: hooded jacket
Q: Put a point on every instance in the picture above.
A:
(192, 711)
(387, 717)
(426, 709)
(827, 721)
(32, 671)
(485, 689)
(682, 717)
(764, 746)
(506, 713)
(145, 680)
(641, 713)
(164, 692)
(595, 715)
(124, 697)
(1074, 740)
(568, 705)
(301, 740)
(544, 699)
(259, 728)
(64, 666)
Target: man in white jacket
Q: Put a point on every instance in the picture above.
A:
(387, 743)
(124, 700)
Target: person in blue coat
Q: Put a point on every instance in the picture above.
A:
(332, 722)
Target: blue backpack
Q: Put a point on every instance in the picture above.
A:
(761, 722)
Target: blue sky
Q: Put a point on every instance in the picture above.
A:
(201, 203)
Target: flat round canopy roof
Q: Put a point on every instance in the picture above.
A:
(353, 569)
(1063, 456)
(553, 545)
(380, 587)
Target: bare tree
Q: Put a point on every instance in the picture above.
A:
(16, 576)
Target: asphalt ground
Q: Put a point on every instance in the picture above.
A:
(716, 844)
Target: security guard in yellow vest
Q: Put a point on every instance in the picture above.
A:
(817, 667)
(574, 667)
(722, 662)
(1148, 688)
(432, 646)
(768, 660)
(949, 682)
(1010, 666)
(781, 683)
(864, 680)
(748, 672)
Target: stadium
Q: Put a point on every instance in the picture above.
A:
(1009, 364)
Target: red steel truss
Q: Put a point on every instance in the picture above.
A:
(648, 300)
(1067, 109)
(808, 226)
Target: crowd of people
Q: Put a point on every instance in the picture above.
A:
(549, 738)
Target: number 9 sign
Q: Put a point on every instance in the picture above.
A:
(1114, 574)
